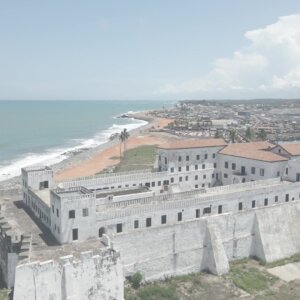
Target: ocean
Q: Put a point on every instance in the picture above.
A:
(41, 132)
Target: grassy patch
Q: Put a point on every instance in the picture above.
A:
(4, 294)
(156, 292)
(250, 279)
(281, 262)
(139, 158)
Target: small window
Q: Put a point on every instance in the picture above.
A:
(266, 202)
(53, 209)
(179, 158)
(85, 212)
(240, 205)
(276, 198)
(198, 213)
(57, 212)
(179, 216)
(119, 227)
(205, 156)
(203, 185)
(186, 178)
(287, 196)
(220, 209)
(159, 183)
(196, 167)
(148, 222)
(225, 175)
(187, 168)
(172, 180)
(214, 155)
(196, 177)
(252, 170)
(286, 171)
(233, 166)
(226, 164)
(213, 175)
(180, 179)
(153, 184)
(172, 170)
(196, 186)
(179, 169)
(198, 157)
(187, 158)
(136, 224)
(203, 166)
(207, 210)
(166, 160)
(204, 176)
(164, 219)
(262, 172)
(72, 214)
(75, 234)
(215, 165)
(253, 204)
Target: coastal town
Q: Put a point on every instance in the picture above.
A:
(192, 182)
(235, 121)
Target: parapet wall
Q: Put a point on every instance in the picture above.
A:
(209, 243)
(91, 277)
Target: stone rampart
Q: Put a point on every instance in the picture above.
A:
(209, 243)
(90, 276)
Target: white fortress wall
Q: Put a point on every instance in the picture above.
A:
(91, 276)
(210, 242)
(232, 173)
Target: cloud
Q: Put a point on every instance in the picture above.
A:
(268, 67)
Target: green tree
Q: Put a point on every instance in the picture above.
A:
(125, 136)
(248, 133)
(232, 135)
(262, 135)
(136, 280)
(121, 138)
(218, 134)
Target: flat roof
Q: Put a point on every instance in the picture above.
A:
(193, 143)
(254, 150)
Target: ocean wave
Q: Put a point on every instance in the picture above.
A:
(55, 155)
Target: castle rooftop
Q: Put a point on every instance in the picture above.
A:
(254, 150)
(193, 143)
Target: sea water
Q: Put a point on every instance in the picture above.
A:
(41, 132)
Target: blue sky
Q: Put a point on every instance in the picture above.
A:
(155, 49)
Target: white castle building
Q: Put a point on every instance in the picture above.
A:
(204, 204)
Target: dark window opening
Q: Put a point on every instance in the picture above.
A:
(220, 209)
(179, 216)
(148, 222)
(119, 227)
(75, 234)
(197, 213)
(240, 205)
(164, 219)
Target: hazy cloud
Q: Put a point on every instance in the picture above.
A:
(268, 66)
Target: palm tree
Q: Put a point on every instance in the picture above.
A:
(121, 138)
(125, 136)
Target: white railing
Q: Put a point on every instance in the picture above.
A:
(250, 184)
(148, 206)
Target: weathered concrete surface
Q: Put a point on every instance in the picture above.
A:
(90, 277)
(288, 272)
(207, 244)
(279, 231)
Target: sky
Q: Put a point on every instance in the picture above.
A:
(149, 50)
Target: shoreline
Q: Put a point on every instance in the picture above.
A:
(77, 159)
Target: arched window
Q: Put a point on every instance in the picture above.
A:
(102, 231)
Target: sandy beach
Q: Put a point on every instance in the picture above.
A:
(102, 157)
